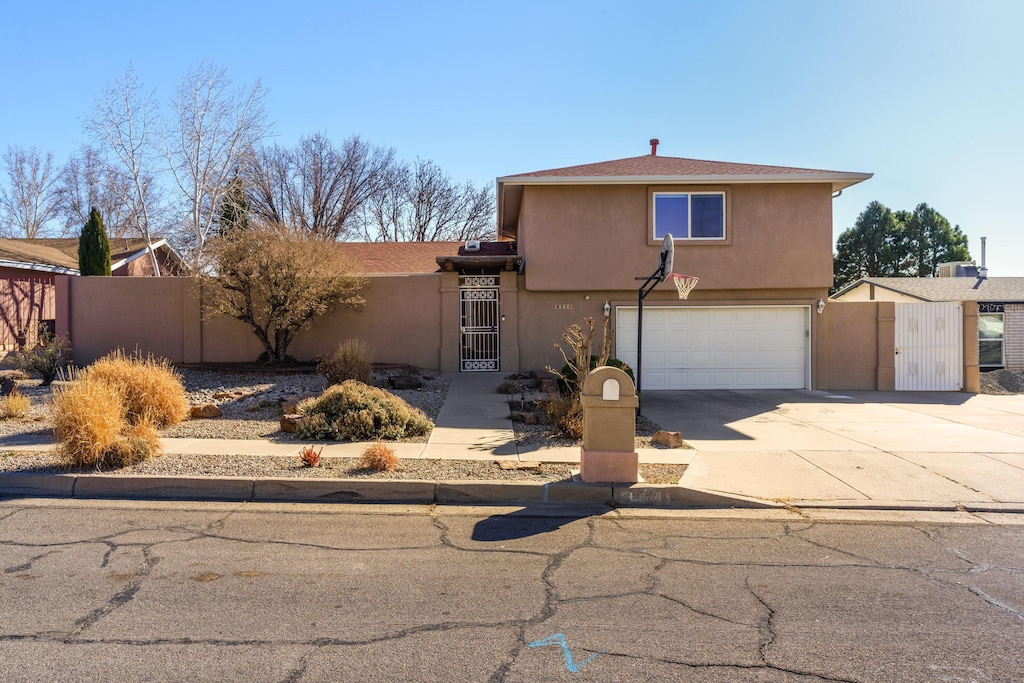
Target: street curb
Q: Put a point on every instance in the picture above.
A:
(18, 484)
(283, 490)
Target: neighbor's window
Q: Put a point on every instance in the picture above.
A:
(990, 340)
(690, 215)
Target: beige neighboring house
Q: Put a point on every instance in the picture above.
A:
(1000, 303)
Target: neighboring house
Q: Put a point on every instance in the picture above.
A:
(28, 268)
(1000, 306)
(42, 257)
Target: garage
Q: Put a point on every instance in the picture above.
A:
(728, 347)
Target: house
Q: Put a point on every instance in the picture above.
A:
(572, 243)
(28, 268)
(758, 237)
(1000, 303)
(42, 257)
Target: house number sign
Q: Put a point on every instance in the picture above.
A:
(562, 307)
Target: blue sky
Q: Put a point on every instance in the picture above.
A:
(925, 95)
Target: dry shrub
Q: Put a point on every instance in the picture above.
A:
(309, 456)
(15, 404)
(564, 414)
(353, 359)
(150, 388)
(139, 443)
(357, 411)
(89, 420)
(379, 458)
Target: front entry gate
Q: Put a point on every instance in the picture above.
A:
(929, 346)
(478, 323)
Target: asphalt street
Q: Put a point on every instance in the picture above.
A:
(141, 591)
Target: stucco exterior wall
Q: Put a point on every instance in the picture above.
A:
(578, 238)
(856, 347)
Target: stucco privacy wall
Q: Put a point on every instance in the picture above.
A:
(162, 316)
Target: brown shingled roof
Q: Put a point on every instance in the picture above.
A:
(657, 166)
(399, 257)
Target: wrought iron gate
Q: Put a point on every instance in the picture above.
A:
(478, 302)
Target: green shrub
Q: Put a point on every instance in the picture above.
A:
(359, 412)
(568, 373)
(353, 359)
(46, 358)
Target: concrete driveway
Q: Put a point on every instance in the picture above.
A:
(948, 448)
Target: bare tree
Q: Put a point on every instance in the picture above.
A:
(213, 132)
(124, 124)
(423, 204)
(30, 201)
(87, 182)
(318, 188)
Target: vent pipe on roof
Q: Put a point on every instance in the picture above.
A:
(983, 271)
(654, 147)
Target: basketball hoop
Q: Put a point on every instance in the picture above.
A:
(684, 283)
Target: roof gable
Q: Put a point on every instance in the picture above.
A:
(996, 289)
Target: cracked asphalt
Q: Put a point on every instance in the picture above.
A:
(143, 591)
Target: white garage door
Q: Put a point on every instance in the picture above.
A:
(743, 347)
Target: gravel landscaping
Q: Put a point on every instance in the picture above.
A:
(251, 404)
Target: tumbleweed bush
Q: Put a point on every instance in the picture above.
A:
(379, 458)
(150, 388)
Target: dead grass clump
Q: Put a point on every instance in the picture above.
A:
(564, 414)
(14, 404)
(353, 359)
(138, 444)
(150, 388)
(379, 458)
(89, 420)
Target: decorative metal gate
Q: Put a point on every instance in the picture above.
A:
(478, 302)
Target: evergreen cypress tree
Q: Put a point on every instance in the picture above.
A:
(234, 211)
(94, 247)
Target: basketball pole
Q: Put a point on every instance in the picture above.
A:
(646, 288)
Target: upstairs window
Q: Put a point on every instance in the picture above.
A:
(689, 215)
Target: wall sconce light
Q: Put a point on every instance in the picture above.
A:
(607, 309)
(821, 306)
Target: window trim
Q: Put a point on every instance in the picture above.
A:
(720, 190)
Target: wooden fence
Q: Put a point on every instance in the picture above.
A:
(25, 303)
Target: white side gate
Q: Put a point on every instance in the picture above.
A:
(478, 323)
(929, 347)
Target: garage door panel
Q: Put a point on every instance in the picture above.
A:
(726, 347)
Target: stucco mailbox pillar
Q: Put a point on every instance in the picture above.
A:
(609, 428)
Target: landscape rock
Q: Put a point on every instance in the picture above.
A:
(8, 386)
(290, 422)
(292, 402)
(406, 382)
(205, 410)
(668, 439)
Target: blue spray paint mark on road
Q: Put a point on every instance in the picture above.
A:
(559, 639)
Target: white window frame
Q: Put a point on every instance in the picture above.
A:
(689, 215)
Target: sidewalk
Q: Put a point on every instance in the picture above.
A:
(865, 450)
